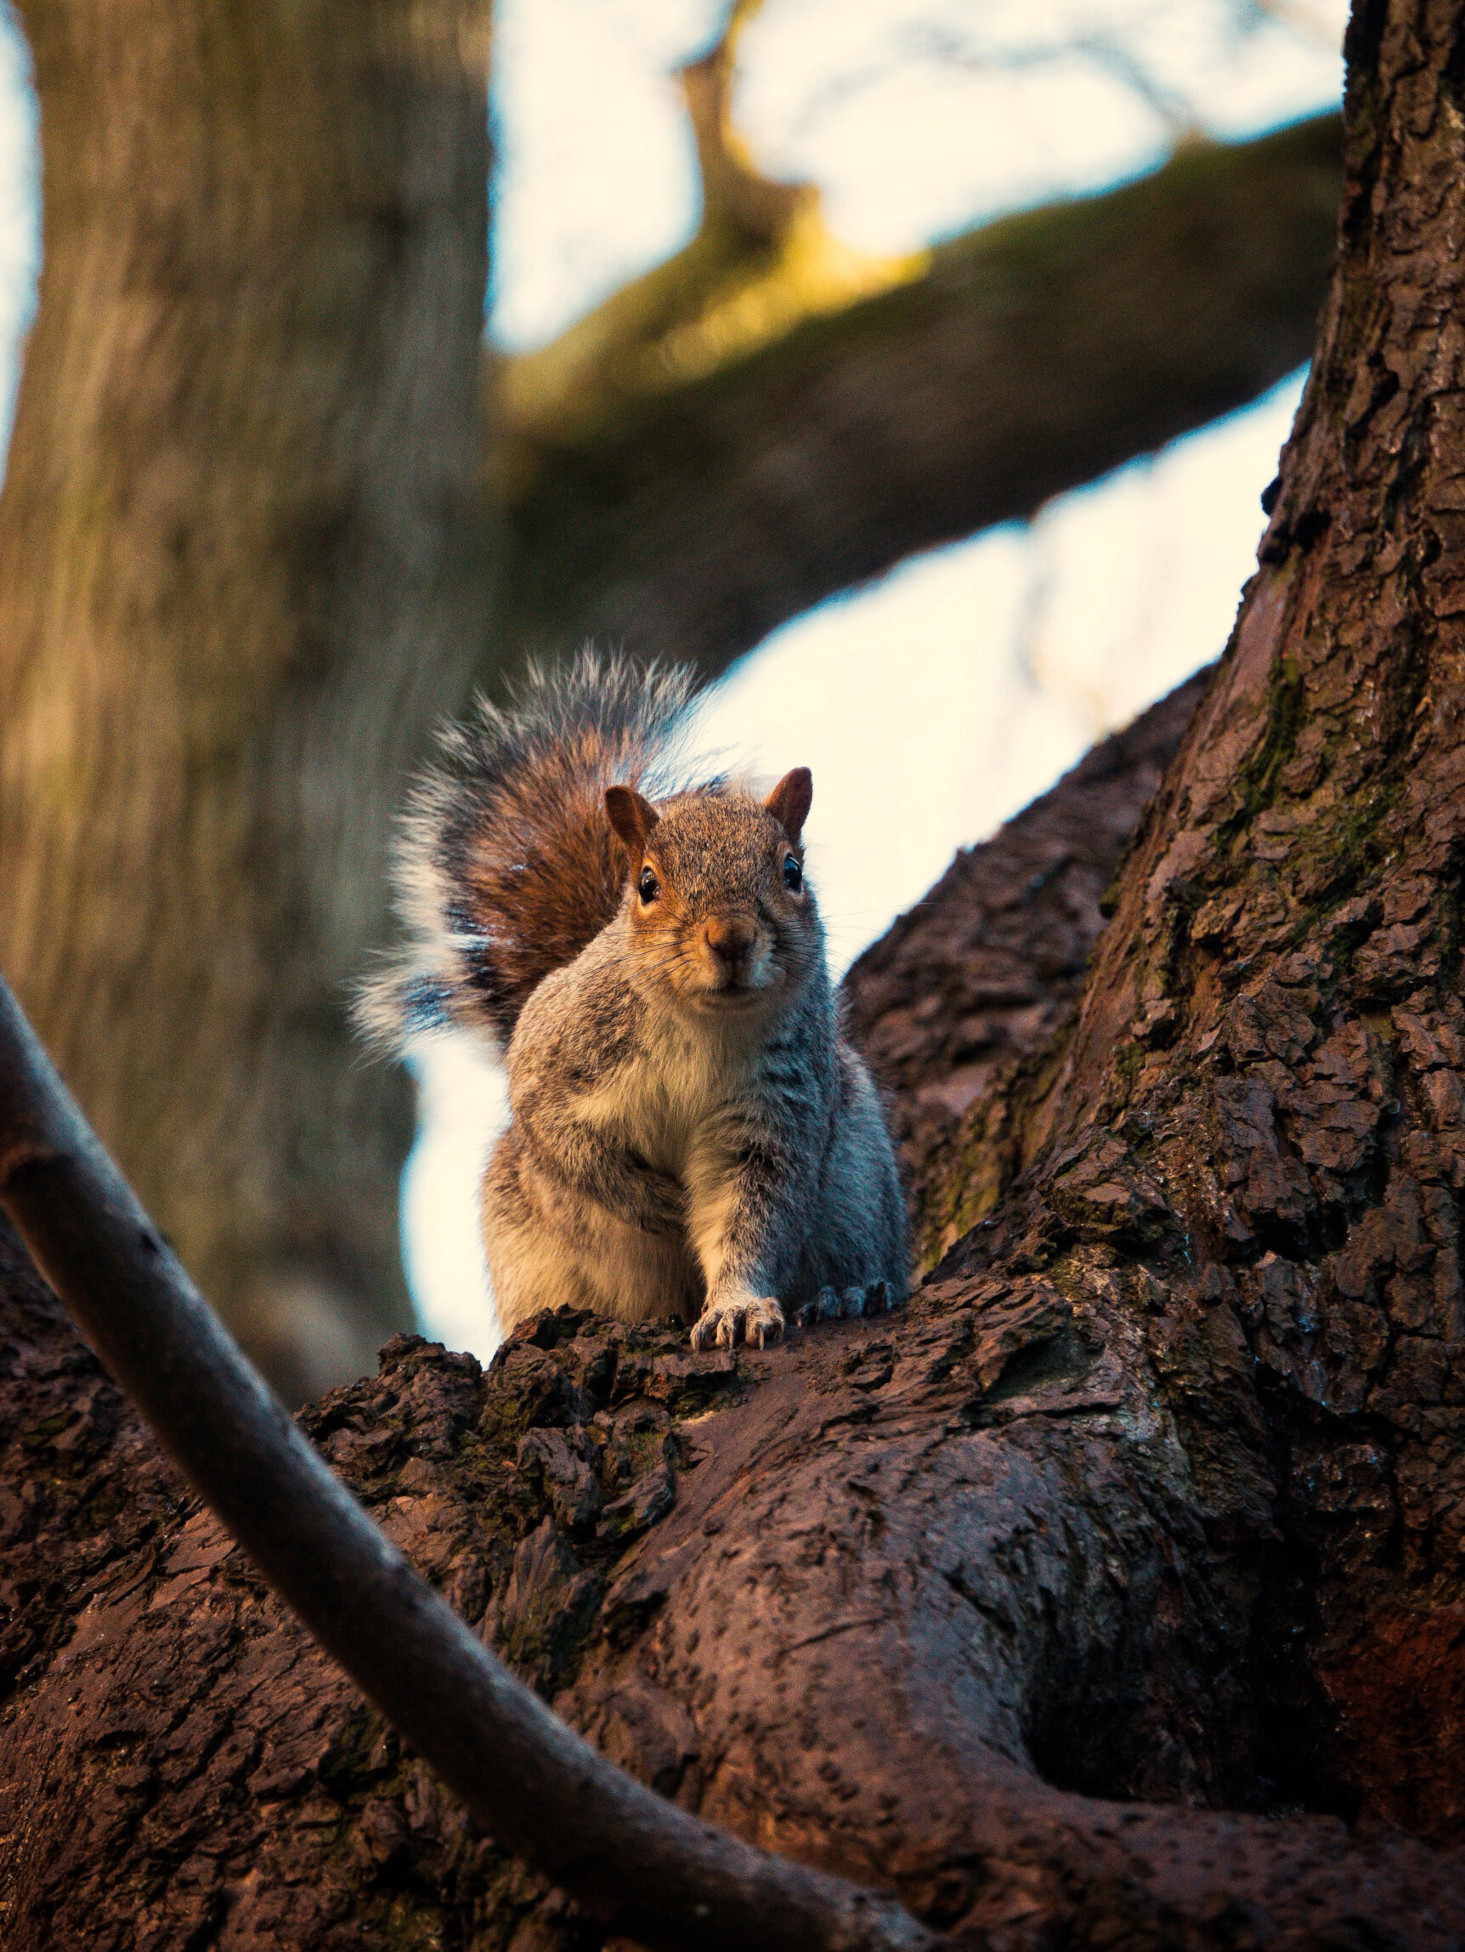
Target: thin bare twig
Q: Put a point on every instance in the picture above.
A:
(660, 1874)
(733, 187)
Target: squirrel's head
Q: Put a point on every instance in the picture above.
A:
(719, 909)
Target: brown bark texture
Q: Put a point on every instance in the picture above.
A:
(681, 480)
(236, 585)
(659, 1872)
(969, 991)
(1113, 1594)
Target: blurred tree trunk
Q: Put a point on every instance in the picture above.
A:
(1110, 1595)
(238, 577)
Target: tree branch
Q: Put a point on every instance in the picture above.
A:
(962, 998)
(737, 436)
(530, 1780)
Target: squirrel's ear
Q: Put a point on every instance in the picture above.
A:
(790, 800)
(632, 817)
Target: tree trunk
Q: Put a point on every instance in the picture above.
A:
(236, 583)
(241, 556)
(964, 996)
(1110, 1595)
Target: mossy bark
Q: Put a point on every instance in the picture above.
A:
(237, 580)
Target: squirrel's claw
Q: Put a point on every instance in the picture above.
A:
(878, 1299)
(829, 1305)
(823, 1308)
(758, 1321)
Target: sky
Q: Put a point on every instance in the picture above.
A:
(1014, 651)
(917, 118)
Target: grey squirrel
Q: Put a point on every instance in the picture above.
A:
(690, 1134)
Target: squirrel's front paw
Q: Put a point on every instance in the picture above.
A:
(829, 1305)
(726, 1323)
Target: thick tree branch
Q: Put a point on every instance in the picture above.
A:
(528, 1778)
(680, 474)
(959, 1002)
(762, 262)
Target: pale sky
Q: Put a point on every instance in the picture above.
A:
(959, 686)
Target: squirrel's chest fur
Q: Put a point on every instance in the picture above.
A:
(616, 1085)
(671, 1089)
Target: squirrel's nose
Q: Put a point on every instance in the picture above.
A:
(730, 937)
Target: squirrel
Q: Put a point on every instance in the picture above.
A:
(690, 1134)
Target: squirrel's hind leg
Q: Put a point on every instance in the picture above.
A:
(527, 1269)
(549, 1246)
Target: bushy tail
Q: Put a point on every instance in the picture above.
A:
(506, 866)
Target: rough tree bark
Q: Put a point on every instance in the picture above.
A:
(236, 583)
(970, 989)
(93, 1507)
(654, 1871)
(601, 1491)
(1112, 1595)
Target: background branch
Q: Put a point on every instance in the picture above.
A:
(766, 419)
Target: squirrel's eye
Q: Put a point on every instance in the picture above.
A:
(793, 874)
(648, 887)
